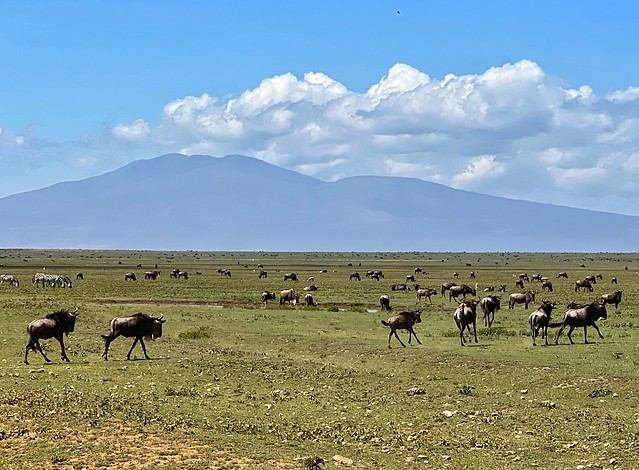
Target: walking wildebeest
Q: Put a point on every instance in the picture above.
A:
(521, 298)
(403, 321)
(138, 326)
(290, 277)
(309, 301)
(462, 290)
(539, 321)
(384, 302)
(489, 305)
(466, 315)
(585, 316)
(446, 286)
(54, 325)
(612, 298)
(266, 296)
(130, 277)
(355, 276)
(547, 285)
(426, 292)
(290, 296)
(151, 275)
(583, 284)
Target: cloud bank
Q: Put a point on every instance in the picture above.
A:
(511, 131)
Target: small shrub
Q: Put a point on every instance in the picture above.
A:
(313, 463)
(195, 334)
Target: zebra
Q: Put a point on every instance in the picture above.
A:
(12, 280)
(51, 280)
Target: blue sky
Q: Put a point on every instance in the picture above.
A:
(532, 100)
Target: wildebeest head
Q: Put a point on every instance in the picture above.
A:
(64, 319)
(155, 328)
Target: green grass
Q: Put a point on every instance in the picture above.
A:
(236, 385)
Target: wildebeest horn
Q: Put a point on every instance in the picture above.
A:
(161, 317)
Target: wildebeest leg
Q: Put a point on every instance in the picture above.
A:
(474, 329)
(36, 346)
(570, 333)
(413, 332)
(461, 333)
(63, 353)
(545, 330)
(144, 348)
(559, 333)
(107, 342)
(396, 336)
(533, 333)
(128, 356)
(597, 328)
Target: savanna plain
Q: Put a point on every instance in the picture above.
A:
(234, 384)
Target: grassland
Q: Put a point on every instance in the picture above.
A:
(236, 385)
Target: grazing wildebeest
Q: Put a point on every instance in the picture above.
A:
(310, 279)
(473, 274)
(524, 277)
(266, 296)
(355, 276)
(456, 291)
(138, 326)
(521, 298)
(262, 274)
(290, 296)
(563, 274)
(384, 302)
(418, 270)
(174, 273)
(151, 275)
(466, 315)
(290, 277)
(592, 279)
(403, 321)
(539, 321)
(310, 288)
(502, 288)
(614, 298)
(130, 277)
(426, 292)
(456, 275)
(489, 289)
(519, 283)
(79, 276)
(535, 278)
(585, 316)
(54, 325)
(139, 266)
(11, 279)
(309, 301)
(489, 305)
(183, 274)
(547, 285)
(599, 276)
(613, 280)
(446, 286)
(583, 284)
(374, 276)
(410, 278)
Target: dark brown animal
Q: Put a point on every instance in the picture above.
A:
(410, 278)
(290, 277)
(466, 315)
(309, 301)
(130, 277)
(585, 316)
(310, 288)
(521, 298)
(403, 321)
(426, 292)
(266, 296)
(614, 298)
(446, 286)
(262, 274)
(563, 274)
(613, 280)
(54, 325)
(384, 302)
(489, 305)
(539, 321)
(355, 276)
(399, 287)
(456, 291)
(583, 284)
(151, 275)
(79, 276)
(519, 283)
(547, 285)
(138, 326)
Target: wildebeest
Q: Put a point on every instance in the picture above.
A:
(183, 274)
(410, 278)
(262, 274)
(138, 326)
(489, 305)
(418, 270)
(613, 280)
(355, 276)
(524, 277)
(585, 316)
(153, 275)
(539, 321)
(403, 321)
(591, 278)
(456, 291)
(547, 285)
(446, 286)
(466, 315)
(290, 277)
(290, 296)
(384, 302)
(310, 288)
(266, 296)
(130, 277)
(519, 283)
(11, 279)
(79, 276)
(399, 287)
(614, 298)
(426, 292)
(521, 298)
(54, 325)
(174, 273)
(473, 274)
(309, 301)
(563, 274)
(583, 284)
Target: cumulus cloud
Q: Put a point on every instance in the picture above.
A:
(510, 131)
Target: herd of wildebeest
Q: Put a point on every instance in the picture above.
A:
(141, 326)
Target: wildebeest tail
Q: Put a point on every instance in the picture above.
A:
(555, 325)
(385, 323)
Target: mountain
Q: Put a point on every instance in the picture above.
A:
(175, 202)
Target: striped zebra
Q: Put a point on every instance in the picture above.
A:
(12, 280)
(51, 280)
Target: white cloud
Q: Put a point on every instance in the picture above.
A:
(532, 137)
